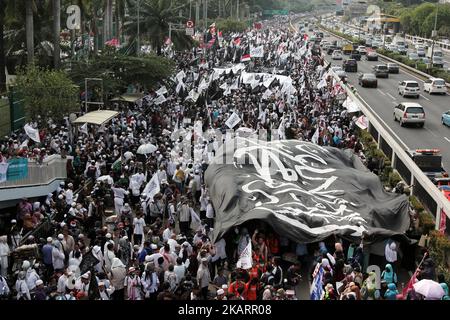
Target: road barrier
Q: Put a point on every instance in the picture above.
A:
(421, 186)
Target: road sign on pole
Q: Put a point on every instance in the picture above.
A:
(189, 31)
(190, 24)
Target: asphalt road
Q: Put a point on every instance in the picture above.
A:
(383, 99)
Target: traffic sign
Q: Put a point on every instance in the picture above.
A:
(190, 24)
(189, 31)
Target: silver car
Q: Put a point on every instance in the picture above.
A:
(409, 113)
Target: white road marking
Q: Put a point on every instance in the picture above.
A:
(394, 103)
(431, 132)
(390, 95)
(381, 92)
(448, 140)
(425, 97)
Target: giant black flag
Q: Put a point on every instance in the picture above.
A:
(304, 191)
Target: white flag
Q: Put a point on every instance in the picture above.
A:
(159, 100)
(257, 52)
(32, 133)
(152, 187)
(233, 120)
(84, 129)
(180, 75)
(245, 259)
(161, 91)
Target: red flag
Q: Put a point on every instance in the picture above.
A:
(237, 41)
(410, 284)
(443, 222)
(245, 57)
(210, 43)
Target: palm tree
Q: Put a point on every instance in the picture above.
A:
(29, 27)
(56, 33)
(156, 17)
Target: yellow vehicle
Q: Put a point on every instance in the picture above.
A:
(347, 48)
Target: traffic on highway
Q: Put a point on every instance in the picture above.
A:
(385, 88)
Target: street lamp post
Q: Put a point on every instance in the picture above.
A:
(138, 40)
(433, 36)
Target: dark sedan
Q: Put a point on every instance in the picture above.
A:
(372, 56)
(350, 65)
(393, 68)
(367, 80)
(381, 70)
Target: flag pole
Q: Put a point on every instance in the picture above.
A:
(414, 274)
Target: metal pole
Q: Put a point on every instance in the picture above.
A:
(190, 9)
(433, 36)
(197, 14)
(138, 41)
(237, 11)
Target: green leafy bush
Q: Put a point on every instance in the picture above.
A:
(394, 178)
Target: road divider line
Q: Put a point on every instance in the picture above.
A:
(390, 95)
(425, 97)
(448, 140)
(431, 132)
(381, 92)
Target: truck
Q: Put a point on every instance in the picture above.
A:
(347, 48)
(430, 162)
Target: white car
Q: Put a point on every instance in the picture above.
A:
(409, 88)
(435, 85)
(336, 55)
(362, 49)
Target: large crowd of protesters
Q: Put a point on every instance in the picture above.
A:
(159, 247)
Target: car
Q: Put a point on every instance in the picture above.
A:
(435, 85)
(420, 52)
(425, 60)
(381, 70)
(391, 47)
(409, 88)
(350, 65)
(342, 75)
(393, 68)
(367, 80)
(372, 56)
(332, 48)
(445, 118)
(355, 55)
(401, 49)
(324, 43)
(369, 42)
(438, 62)
(413, 56)
(430, 162)
(362, 50)
(409, 113)
(336, 55)
(376, 44)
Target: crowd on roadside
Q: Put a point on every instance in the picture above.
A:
(126, 238)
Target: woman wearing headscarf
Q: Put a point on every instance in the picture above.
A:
(21, 287)
(150, 282)
(109, 256)
(389, 275)
(369, 290)
(392, 292)
(267, 294)
(125, 250)
(117, 278)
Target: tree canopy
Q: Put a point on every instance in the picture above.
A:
(47, 94)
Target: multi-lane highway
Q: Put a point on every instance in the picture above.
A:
(383, 99)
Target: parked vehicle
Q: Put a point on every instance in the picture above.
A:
(430, 162)
(409, 88)
(367, 80)
(401, 49)
(393, 68)
(350, 65)
(420, 51)
(381, 71)
(435, 85)
(409, 113)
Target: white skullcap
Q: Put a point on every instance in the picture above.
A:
(39, 282)
(108, 235)
(220, 291)
(49, 239)
(60, 236)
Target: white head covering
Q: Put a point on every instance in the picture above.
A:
(117, 263)
(390, 251)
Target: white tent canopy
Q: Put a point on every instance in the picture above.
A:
(98, 117)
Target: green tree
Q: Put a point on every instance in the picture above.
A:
(48, 94)
(155, 18)
(118, 71)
